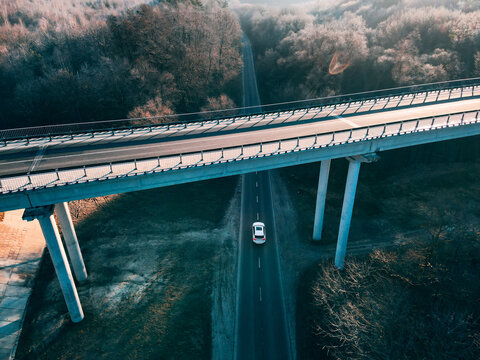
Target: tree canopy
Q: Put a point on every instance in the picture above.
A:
(110, 62)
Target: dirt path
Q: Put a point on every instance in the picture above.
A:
(21, 250)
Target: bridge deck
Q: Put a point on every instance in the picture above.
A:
(238, 123)
(44, 163)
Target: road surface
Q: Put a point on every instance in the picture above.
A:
(50, 158)
(261, 331)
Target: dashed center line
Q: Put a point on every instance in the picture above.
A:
(260, 293)
(351, 123)
(257, 199)
(256, 183)
(259, 263)
(38, 157)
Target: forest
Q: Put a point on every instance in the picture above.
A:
(78, 61)
(342, 47)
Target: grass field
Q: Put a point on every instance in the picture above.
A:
(151, 258)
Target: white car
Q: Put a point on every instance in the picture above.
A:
(258, 231)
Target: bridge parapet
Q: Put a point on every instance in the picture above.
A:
(341, 105)
(182, 161)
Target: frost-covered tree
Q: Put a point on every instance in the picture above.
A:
(347, 46)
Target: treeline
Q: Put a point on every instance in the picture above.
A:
(78, 61)
(350, 46)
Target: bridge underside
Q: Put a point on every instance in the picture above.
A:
(143, 181)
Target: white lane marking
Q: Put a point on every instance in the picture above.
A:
(256, 172)
(256, 183)
(260, 293)
(259, 263)
(257, 199)
(257, 216)
(351, 123)
(38, 157)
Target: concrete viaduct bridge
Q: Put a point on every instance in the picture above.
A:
(43, 168)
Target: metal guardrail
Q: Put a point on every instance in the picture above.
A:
(47, 179)
(363, 97)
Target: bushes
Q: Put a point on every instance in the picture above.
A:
(413, 303)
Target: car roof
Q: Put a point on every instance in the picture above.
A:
(258, 224)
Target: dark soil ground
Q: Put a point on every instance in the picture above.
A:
(415, 302)
(151, 257)
(396, 194)
(423, 191)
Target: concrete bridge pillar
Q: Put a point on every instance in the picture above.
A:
(321, 197)
(45, 217)
(71, 241)
(347, 208)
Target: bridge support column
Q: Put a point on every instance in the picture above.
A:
(321, 197)
(347, 208)
(71, 241)
(55, 247)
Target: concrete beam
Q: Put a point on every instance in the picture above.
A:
(71, 241)
(55, 247)
(321, 197)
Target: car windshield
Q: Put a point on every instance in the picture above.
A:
(258, 228)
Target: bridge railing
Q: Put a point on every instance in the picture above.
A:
(466, 87)
(138, 167)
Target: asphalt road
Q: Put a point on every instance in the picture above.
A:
(251, 97)
(261, 324)
(261, 331)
